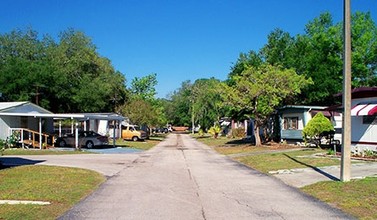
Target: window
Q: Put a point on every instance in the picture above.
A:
(291, 123)
(369, 119)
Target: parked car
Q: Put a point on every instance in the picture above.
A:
(88, 139)
(133, 132)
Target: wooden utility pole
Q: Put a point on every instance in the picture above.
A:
(345, 169)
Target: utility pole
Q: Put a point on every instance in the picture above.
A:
(192, 119)
(345, 169)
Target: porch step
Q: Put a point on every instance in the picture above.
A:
(29, 143)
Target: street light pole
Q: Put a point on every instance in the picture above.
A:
(345, 169)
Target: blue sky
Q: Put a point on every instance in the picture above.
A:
(177, 39)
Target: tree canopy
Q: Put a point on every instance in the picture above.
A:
(64, 76)
(67, 74)
(260, 90)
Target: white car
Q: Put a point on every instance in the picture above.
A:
(88, 139)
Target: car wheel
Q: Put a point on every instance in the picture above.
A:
(62, 143)
(134, 138)
(89, 144)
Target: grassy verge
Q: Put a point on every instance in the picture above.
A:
(142, 145)
(18, 151)
(62, 187)
(228, 146)
(221, 141)
(357, 197)
(288, 160)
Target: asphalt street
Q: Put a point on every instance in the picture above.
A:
(183, 179)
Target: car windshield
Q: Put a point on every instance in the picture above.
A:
(137, 128)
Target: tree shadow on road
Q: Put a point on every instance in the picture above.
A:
(314, 168)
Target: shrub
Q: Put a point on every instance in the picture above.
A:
(238, 132)
(331, 152)
(13, 139)
(2, 146)
(318, 125)
(215, 130)
(201, 132)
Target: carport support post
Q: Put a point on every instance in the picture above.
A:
(76, 135)
(114, 128)
(40, 133)
(120, 129)
(345, 168)
(60, 128)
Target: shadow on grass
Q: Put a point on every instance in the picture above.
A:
(240, 141)
(314, 168)
(7, 162)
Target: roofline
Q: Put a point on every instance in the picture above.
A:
(361, 92)
(63, 116)
(21, 103)
(303, 107)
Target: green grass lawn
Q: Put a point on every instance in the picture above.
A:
(227, 146)
(221, 141)
(62, 187)
(288, 160)
(141, 145)
(357, 197)
(20, 151)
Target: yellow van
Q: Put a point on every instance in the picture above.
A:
(133, 132)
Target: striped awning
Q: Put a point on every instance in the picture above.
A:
(364, 109)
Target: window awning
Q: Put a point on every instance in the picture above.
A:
(364, 109)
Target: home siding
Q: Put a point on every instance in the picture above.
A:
(364, 136)
(290, 134)
(7, 122)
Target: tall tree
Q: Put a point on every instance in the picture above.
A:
(64, 76)
(143, 108)
(178, 109)
(144, 87)
(279, 49)
(364, 50)
(260, 90)
(206, 102)
(244, 61)
(319, 56)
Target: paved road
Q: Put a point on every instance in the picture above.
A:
(183, 179)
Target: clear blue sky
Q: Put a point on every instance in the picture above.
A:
(177, 39)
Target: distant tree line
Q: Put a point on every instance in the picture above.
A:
(68, 75)
(64, 76)
(303, 69)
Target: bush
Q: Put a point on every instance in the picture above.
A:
(215, 130)
(201, 132)
(13, 139)
(238, 132)
(318, 125)
(2, 146)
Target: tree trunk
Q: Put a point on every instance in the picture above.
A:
(256, 135)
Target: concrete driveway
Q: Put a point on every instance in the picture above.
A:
(183, 179)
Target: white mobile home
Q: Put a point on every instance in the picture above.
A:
(364, 118)
(293, 119)
(34, 124)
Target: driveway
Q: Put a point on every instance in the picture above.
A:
(183, 179)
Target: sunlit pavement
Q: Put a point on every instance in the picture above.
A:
(183, 179)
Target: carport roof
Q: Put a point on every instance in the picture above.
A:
(83, 116)
(28, 109)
